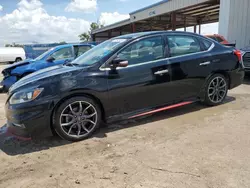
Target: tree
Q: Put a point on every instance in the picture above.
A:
(84, 36)
(87, 35)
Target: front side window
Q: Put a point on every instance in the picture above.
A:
(145, 50)
(63, 53)
(183, 45)
(79, 50)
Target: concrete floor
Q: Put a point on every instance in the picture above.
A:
(188, 147)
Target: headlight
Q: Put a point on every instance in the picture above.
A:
(25, 96)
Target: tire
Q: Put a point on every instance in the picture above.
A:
(70, 121)
(18, 59)
(216, 94)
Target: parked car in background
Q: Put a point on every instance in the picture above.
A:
(246, 59)
(12, 54)
(220, 39)
(122, 78)
(55, 56)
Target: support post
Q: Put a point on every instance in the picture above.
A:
(133, 27)
(173, 21)
(109, 34)
(200, 22)
(195, 28)
(185, 23)
(93, 37)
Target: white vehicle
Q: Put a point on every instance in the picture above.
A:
(12, 54)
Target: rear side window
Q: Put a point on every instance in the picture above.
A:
(207, 44)
(182, 45)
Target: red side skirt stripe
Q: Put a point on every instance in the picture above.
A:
(162, 109)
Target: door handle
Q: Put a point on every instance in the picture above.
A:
(205, 63)
(161, 72)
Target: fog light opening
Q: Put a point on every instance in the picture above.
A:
(19, 125)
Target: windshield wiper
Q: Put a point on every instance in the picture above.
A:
(71, 64)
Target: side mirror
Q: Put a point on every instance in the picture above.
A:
(117, 62)
(50, 59)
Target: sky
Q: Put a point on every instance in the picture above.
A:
(45, 21)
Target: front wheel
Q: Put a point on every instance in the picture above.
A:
(77, 118)
(216, 90)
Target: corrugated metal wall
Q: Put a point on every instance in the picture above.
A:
(169, 6)
(234, 22)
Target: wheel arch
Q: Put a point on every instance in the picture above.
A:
(224, 73)
(78, 94)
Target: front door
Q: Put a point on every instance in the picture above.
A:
(144, 82)
(190, 64)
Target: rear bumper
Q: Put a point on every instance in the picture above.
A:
(29, 121)
(236, 77)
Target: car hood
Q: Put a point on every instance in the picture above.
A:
(44, 74)
(21, 63)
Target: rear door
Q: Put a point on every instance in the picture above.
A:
(145, 82)
(190, 64)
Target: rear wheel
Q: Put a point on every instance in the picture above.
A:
(77, 118)
(18, 59)
(216, 90)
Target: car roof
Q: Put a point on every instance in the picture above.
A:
(143, 34)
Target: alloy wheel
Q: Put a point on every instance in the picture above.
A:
(217, 89)
(78, 119)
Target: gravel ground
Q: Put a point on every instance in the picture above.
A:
(188, 147)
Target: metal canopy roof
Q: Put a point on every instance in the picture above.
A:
(196, 14)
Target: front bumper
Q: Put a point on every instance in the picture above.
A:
(29, 120)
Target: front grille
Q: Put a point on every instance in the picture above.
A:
(246, 59)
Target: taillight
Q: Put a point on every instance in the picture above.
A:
(238, 54)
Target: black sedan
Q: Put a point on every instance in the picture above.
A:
(124, 77)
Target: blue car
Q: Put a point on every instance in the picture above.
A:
(55, 56)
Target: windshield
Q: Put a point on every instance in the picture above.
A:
(44, 54)
(99, 52)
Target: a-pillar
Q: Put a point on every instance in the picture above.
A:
(234, 21)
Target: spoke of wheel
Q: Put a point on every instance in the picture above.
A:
(90, 116)
(213, 97)
(217, 81)
(67, 115)
(224, 85)
(67, 124)
(84, 128)
(212, 93)
(217, 96)
(79, 129)
(80, 107)
(71, 128)
(86, 109)
(71, 109)
(90, 121)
